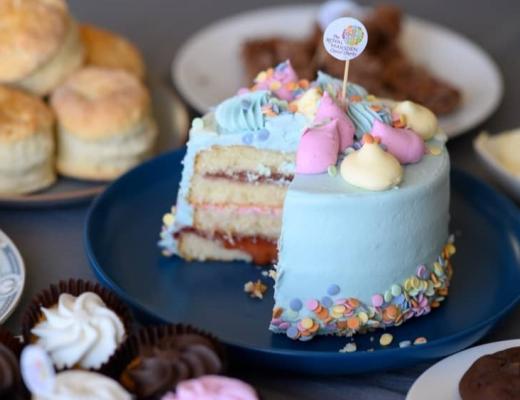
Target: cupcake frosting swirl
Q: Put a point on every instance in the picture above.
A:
(79, 331)
(85, 385)
(158, 368)
(213, 388)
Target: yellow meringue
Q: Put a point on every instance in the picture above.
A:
(418, 118)
(371, 168)
(308, 103)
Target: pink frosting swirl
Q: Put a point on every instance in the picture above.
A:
(213, 387)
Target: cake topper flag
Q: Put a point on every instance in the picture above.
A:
(345, 39)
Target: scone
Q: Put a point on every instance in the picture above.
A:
(110, 50)
(105, 124)
(26, 143)
(39, 44)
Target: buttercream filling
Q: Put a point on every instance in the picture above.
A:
(262, 250)
(252, 177)
(244, 210)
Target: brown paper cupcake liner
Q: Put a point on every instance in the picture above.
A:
(150, 336)
(11, 342)
(49, 297)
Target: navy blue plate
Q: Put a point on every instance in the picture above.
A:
(122, 231)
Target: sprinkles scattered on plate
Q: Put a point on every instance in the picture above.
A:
(349, 348)
(386, 339)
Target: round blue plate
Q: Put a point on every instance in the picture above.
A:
(122, 231)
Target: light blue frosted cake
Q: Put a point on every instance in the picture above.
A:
(348, 196)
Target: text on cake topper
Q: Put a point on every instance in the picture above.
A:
(345, 39)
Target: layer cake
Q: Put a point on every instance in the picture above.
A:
(349, 197)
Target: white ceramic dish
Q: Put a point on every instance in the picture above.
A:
(441, 381)
(12, 277)
(486, 147)
(208, 69)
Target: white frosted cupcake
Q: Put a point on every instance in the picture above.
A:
(80, 325)
(84, 385)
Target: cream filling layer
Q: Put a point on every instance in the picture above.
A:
(240, 221)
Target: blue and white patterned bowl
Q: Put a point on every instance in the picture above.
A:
(12, 276)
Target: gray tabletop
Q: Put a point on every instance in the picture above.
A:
(51, 240)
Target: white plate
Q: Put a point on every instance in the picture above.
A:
(208, 67)
(12, 276)
(484, 145)
(441, 381)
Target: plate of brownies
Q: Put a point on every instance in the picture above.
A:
(406, 58)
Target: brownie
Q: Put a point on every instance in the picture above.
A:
(494, 376)
(383, 69)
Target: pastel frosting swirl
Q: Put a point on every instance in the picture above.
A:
(85, 385)
(333, 86)
(213, 388)
(243, 112)
(363, 114)
(158, 368)
(79, 331)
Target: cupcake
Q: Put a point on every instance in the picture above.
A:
(154, 360)
(78, 323)
(105, 124)
(212, 387)
(84, 385)
(11, 386)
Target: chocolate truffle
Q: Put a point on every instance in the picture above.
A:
(158, 367)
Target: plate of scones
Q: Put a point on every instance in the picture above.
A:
(75, 111)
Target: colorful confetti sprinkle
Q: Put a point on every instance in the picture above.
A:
(332, 170)
(420, 340)
(386, 339)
